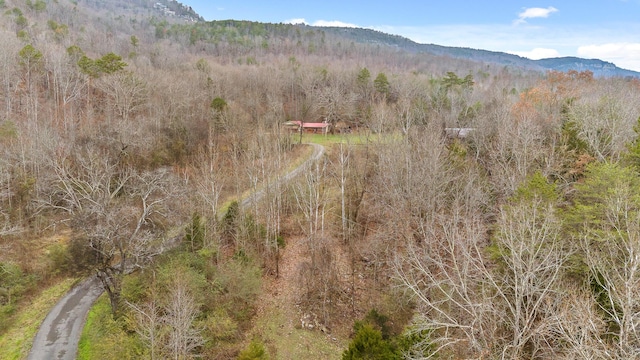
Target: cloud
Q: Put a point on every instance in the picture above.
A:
(296, 21)
(537, 53)
(334, 23)
(625, 54)
(530, 13)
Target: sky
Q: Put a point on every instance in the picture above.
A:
(594, 29)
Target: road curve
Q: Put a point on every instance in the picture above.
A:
(59, 333)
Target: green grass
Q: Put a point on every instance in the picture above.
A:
(286, 341)
(17, 341)
(105, 338)
(361, 138)
(91, 330)
(355, 138)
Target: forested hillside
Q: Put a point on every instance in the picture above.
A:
(128, 136)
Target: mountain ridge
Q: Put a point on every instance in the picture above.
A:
(566, 63)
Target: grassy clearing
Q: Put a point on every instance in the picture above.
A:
(356, 138)
(286, 340)
(16, 343)
(328, 139)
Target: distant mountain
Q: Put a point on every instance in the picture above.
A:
(598, 67)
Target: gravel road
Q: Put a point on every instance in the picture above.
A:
(318, 151)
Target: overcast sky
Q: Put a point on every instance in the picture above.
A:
(602, 29)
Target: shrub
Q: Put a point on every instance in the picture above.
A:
(255, 351)
(59, 259)
(369, 344)
(379, 321)
(374, 339)
(13, 282)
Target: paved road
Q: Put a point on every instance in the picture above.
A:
(59, 334)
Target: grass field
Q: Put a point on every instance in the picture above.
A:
(287, 341)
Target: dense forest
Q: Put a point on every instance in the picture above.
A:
(130, 135)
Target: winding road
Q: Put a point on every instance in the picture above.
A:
(59, 333)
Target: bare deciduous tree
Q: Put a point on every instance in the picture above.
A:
(148, 324)
(530, 265)
(311, 200)
(127, 92)
(8, 65)
(209, 181)
(577, 328)
(116, 209)
(478, 308)
(180, 316)
(68, 87)
(446, 278)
